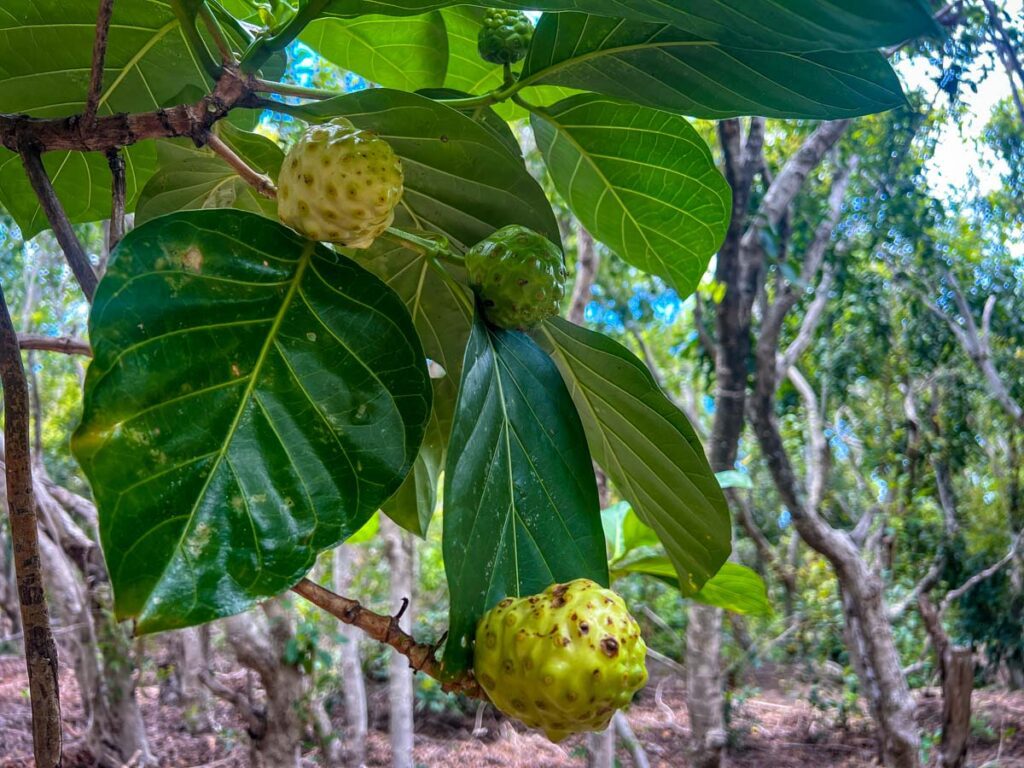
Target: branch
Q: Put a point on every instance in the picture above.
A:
(259, 181)
(40, 648)
(75, 254)
(981, 576)
(67, 345)
(21, 133)
(117, 199)
(99, 53)
(587, 262)
(385, 629)
(812, 318)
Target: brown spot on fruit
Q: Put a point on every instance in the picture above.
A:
(610, 647)
(584, 628)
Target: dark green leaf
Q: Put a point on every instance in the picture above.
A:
(521, 507)
(646, 446)
(640, 180)
(443, 315)
(660, 66)
(253, 399)
(407, 54)
(794, 25)
(460, 180)
(190, 177)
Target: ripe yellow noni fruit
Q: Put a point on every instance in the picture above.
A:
(339, 184)
(563, 660)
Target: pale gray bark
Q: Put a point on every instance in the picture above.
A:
(587, 262)
(400, 683)
(275, 727)
(625, 732)
(601, 748)
(704, 698)
(354, 683)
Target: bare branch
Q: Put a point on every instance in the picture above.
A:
(75, 254)
(385, 629)
(67, 345)
(40, 648)
(980, 576)
(812, 318)
(117, 199)
(99, 53)
(259, 181)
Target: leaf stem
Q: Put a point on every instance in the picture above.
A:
(261, 182)
(195, 41)
(267, 45)
(227, 55)
(291, 89)
(385, 629)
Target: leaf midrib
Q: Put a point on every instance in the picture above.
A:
(268, 344)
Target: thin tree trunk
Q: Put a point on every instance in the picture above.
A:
(601, 748)
(956, 673)
(40, 648)
(400, 684)
(356, 714)
(704, 698)
(587, 262)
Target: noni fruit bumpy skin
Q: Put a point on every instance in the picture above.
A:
(504, 36)
(564, 660)
(519, 276)
(339, 184)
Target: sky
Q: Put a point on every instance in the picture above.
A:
(956, 154)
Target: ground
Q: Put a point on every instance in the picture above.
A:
(774, 727)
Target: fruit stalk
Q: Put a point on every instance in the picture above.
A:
(385, 629)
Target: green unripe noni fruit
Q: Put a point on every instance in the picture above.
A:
(563, 660)
(519, 276)
(504, 36)
(339, 184)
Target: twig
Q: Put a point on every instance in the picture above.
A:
(69, 242)
(117, 198)
(259, 181)
(992, 570)
(385, 629)
(99, 53)
(67, 345)
(40, 647)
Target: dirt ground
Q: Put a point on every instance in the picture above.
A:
(771, 728)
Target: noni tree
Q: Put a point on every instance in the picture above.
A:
(286, 343)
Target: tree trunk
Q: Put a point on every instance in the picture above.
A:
(704, 698)
(400, 684)
(351, 666)
(276, 729)
(956, 673)
(601, 748)
(587, 262)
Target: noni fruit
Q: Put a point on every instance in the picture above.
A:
(519, 276)
(339, 184)
(563, 660)
(504, 36)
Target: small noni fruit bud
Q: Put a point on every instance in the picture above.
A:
(504, 36)
(563, 660)
(519, 276)
(339, 184)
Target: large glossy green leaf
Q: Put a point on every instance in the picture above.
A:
(460, 180)
(646, 446)
(442, 312)
(661, 66)
(408, 54)
(795, 25)
(45, 58)
(253, 398)
(642, 181)
(734, 588)
(189, 177)
(521, 508)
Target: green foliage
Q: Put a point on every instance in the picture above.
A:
(255, 397)
(236, 423)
